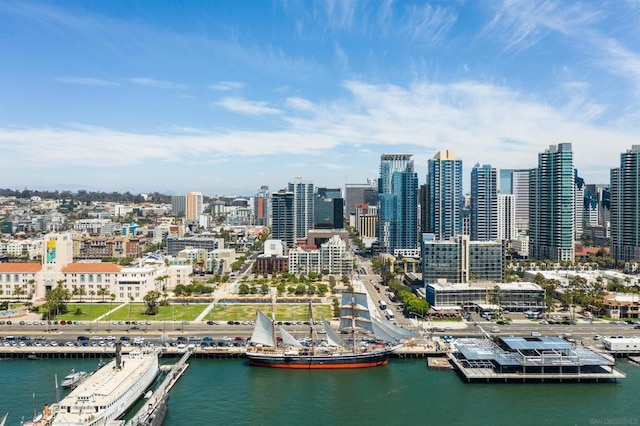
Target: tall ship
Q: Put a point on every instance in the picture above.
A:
(370, 341)
(105, 395)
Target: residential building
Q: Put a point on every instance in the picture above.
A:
(178, 205)
(303, 201)
(516, 183)
(625, 206)
(194, 205)
(445, 201)
(398, 203)
(332, 258)
(262, 207)
(282, 218)
(507, 229)
(484, 203)
(366, 220)
(460, 260)
(551, 205)
(208, 243)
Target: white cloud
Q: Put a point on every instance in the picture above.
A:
(483, 123)
(159, 84)
(87, 81)
(245, 106)
(227, 85)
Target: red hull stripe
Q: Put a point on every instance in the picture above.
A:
(320, 366)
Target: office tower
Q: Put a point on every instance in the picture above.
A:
(302, 206)
(359, 193)
(507, 217)
(261, 207)
(329, 192)
(516, 182)
(578, 214)
(596, 204)
(178, 204)
(398, 203)
(445, 204)
(282, 218)
(484, 203)
(328, 213)
(551, 205)
(625, 207)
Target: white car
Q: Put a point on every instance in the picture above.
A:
(495, 330)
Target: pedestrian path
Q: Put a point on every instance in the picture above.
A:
(108, 314)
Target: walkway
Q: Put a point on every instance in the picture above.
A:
(108, 314)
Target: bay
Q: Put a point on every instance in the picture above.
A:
(404, 392)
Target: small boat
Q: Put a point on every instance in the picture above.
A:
(73, 379)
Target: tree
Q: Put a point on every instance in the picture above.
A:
(57, 299)
(151, 302)
(163, 279)
(103, 291)
(243, 289)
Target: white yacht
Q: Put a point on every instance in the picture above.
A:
(106, 394)
(73, 379)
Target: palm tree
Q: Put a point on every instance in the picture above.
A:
(91, 294)
(32, 288)
(163, 279)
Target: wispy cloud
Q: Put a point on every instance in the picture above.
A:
(159, 84)
(428, 24)
(475, 119)
(245, 106)
(227, 85)
(87, 81)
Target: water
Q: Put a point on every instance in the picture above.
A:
(404, 392)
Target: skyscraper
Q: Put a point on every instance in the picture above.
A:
(484, 203)
(551, 205)
(282, 218)
(178, 204)
(194, 205)
(302, 206)
(516, 182)
(398, 203)
(444, 182)
(261, 207)
(625, 206)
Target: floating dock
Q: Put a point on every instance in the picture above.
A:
(439, 363)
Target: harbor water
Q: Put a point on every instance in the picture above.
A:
(404, 392)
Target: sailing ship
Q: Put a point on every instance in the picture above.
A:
(106, 394)
(335, 352)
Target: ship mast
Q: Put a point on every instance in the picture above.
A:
(353, 322)
(311, 323)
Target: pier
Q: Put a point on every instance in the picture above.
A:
(153, 413)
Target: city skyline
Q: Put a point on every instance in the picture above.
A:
(224, 97)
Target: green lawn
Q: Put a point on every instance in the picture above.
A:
(177, 312)
(89, 311)
(283, 312)
(189, 312)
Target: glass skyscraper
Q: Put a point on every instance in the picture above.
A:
(302, 206)
(484, 203)
(445, 200)
(551, 205)
(625, 206)
(398, 203)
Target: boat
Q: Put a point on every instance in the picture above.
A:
(73, 379)
(335, 352)
(106, 394)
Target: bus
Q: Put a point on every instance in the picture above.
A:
(383, 305)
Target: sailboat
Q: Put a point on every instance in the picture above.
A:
(335, 352)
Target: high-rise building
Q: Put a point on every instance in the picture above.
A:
(507, 217)
(194, 205)
(261, 206)
(282, 218)
(551, 205)
(444, 182)
(359, 193)
(625, 206)
(516, 182)
(578, 214)
(398, 203)
(302, 206)
(484, 203)
(178, 204)
(328, 213)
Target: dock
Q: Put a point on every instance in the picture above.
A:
(439, 363)
(153, 413)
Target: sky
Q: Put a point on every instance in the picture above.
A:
(223, 97)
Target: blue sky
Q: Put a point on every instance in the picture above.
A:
(225, 96)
